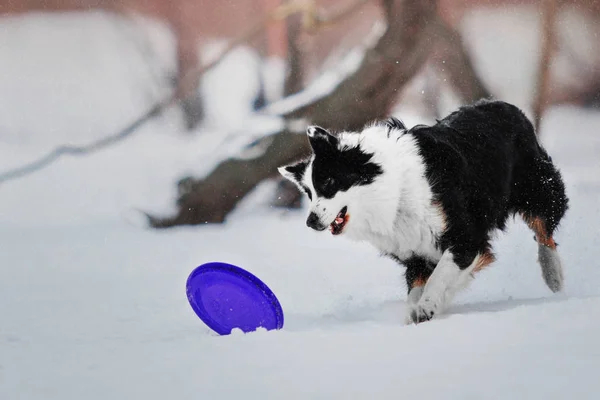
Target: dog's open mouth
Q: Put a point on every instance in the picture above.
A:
(338, 224)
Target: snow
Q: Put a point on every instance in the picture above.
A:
(234, 102)
(99, 311)
(94, 307)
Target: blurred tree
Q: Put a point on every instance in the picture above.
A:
(417, 34)
(413, 28)
(191, 22)
(183, 25)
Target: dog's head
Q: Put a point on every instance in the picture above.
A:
(340, 179)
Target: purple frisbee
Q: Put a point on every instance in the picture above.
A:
(226, 297)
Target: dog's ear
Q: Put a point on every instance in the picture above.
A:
(395, 123)
(294, 172)
(320, 139)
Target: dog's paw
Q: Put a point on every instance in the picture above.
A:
(410, 309)
(421, 315)
(411, 303)
(423, 311)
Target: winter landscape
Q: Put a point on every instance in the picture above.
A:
(92, 301)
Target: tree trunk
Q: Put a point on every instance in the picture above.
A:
(287, 194)
(294, 79)
(187, 61)
(454, 60)
(370, 92)
(550, 9)
(211, 199)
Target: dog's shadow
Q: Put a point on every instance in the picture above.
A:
(501, 305)
(392, 313)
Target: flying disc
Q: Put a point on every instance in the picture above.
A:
(226, 297)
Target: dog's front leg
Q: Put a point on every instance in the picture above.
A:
(440, 287)
(412, 301)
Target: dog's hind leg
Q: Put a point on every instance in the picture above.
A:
(481, 261)
(541, 200)
(548, 258)
(538, 194)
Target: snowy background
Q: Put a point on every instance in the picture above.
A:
(93, 305)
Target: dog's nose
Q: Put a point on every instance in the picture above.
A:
(314, 222)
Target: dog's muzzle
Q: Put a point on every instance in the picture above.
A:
(314, 222)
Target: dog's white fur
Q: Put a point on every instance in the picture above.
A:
(389, 212)
(446, 280)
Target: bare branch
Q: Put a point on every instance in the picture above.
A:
(80, 150)
(330, 18)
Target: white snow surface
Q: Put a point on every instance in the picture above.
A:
(94, 307)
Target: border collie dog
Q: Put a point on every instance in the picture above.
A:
(430, 197)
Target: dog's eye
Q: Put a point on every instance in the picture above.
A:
(308, 193)
(328, 186)
(325, 186)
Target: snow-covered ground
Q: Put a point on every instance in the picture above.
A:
(94, 307)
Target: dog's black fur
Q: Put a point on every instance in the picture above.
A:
(484, 164)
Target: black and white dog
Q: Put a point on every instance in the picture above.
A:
(431, 196)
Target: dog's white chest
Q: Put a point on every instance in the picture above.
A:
(411, 235)
(417, 235)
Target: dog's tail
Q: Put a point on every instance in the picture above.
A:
(552, 269)
(539, 195)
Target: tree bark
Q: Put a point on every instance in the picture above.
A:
(366, 95)
(211, 199)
